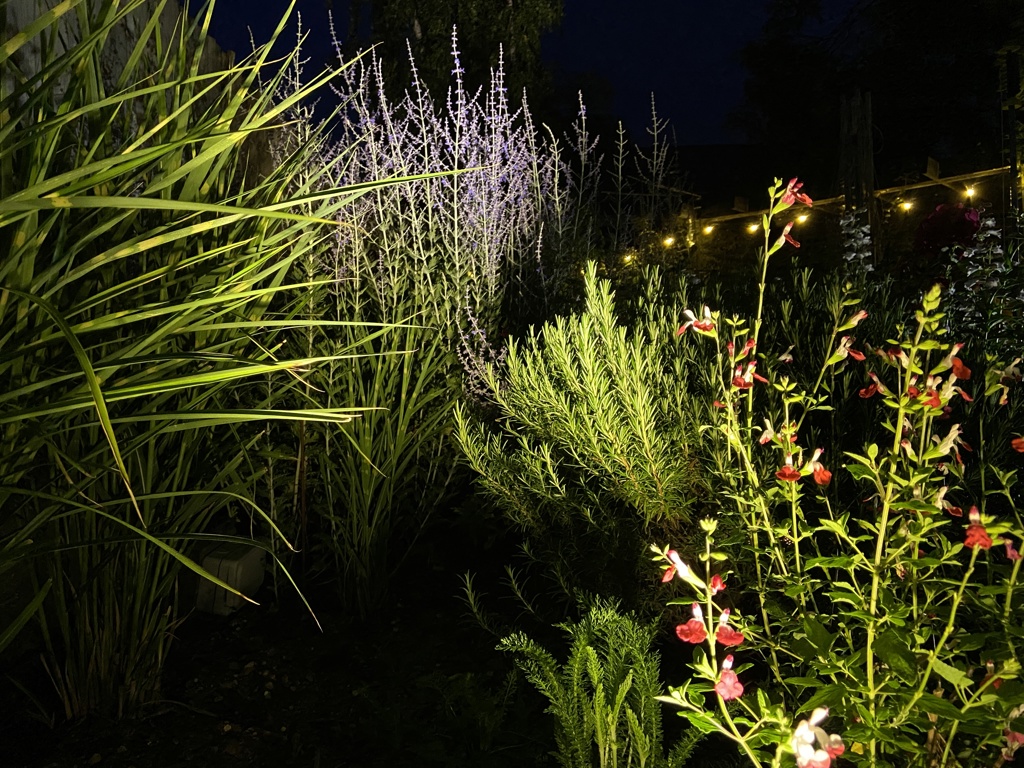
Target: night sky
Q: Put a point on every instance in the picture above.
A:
(685, 51)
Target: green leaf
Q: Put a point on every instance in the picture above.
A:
(933, 705)
(818, 635)
(803, 682)
(701, 722)
(27, 613)
(828, 696)
(952, 674)
(892, 649)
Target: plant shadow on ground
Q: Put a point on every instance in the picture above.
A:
(421, 684)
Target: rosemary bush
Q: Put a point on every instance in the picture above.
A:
(588, 453)
(143, 255)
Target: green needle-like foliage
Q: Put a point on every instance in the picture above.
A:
(588, 439)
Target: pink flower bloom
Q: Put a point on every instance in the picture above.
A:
(794, 195)
(717, 585)
(693, 631)
(1011, 552)
(728, 685)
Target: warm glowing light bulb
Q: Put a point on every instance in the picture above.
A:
(669, 241)
(906, 205)
(802, 218)
(752, 228)
(709, 229)
(627, 258)
(970, 191)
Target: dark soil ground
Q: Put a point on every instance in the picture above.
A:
(419, 685)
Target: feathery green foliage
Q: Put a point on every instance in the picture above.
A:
(603, 696)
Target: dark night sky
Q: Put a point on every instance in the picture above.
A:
(685, 51)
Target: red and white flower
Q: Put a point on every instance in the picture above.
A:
(704, 324)
(794, 195)
(976, 535)
(813, 747)
(726, 635)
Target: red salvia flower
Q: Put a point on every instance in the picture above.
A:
(869, 390)
(960, 370)
(932, 399)
(976, 536)
(694, 630)
(822, 476)
(1018, 444)
(788, 473)
(794, 195)
(717, 585)
(788, 237)
(726, 635)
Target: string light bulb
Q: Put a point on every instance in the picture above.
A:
(801, 218)
(669, 241)
(970, 192)
(906, 205)
(752, 228)
(709, 229)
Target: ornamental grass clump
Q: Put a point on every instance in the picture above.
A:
(143, 257)
(889, 610)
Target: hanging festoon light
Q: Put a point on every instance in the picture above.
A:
(802, 218)
(709, 229)
(669, 241)
(752, 228)
(970, 192)
(906, 206)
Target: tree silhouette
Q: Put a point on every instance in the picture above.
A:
(483, 26)
(931, 70)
